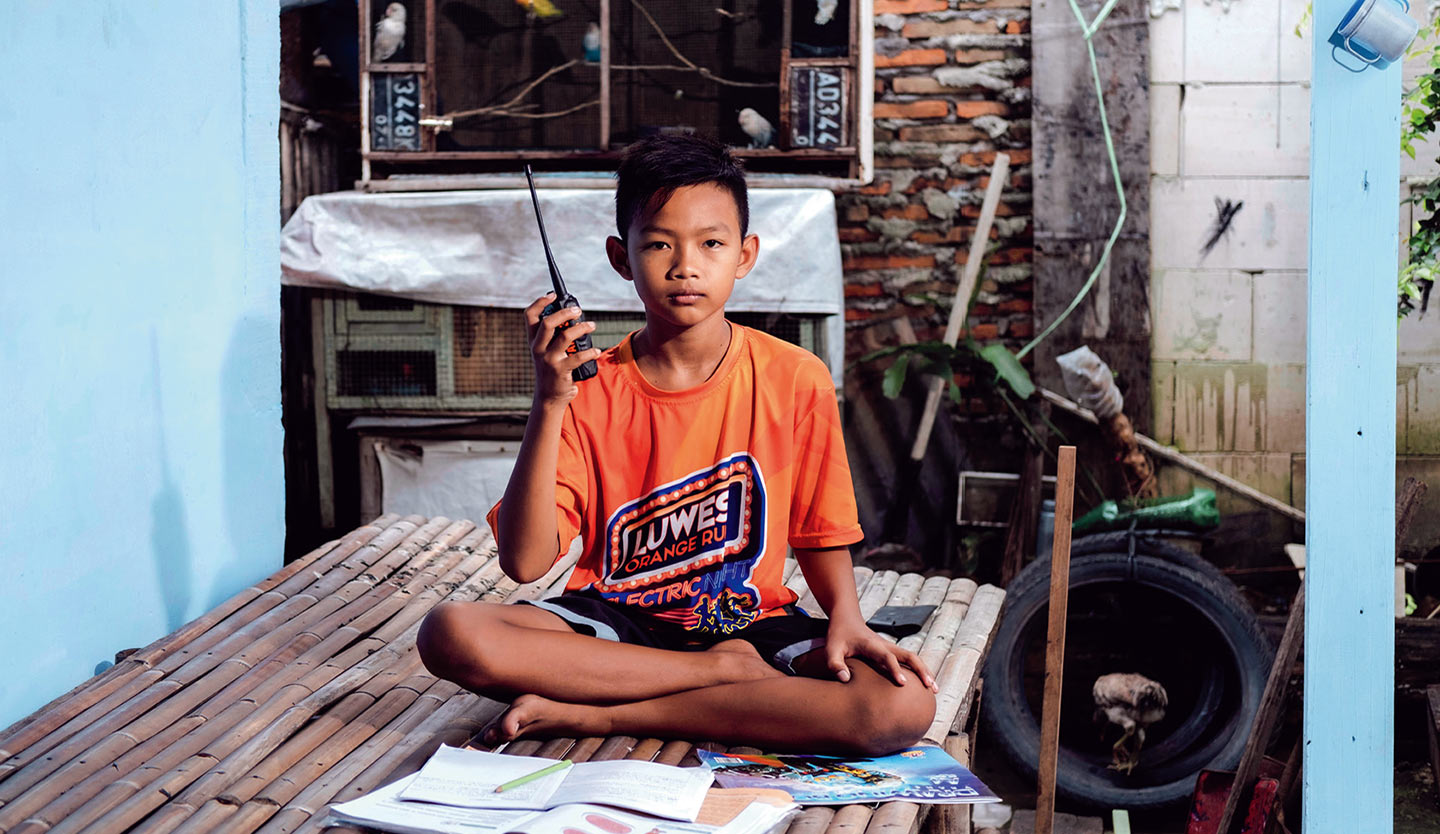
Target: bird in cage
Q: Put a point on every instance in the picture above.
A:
(389, 33)
(757, 127)
(539, 8)
(825, 11)
(592, 42)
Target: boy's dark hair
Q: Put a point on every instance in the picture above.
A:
(652, 168)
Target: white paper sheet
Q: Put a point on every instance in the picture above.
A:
(456, 776)
(383, 808)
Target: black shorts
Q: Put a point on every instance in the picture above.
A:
(780, 638)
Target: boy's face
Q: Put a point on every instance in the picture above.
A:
(686, 255)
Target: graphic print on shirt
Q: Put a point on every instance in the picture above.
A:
(686, 551)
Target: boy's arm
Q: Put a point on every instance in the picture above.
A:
(526, 530)
(831, 577)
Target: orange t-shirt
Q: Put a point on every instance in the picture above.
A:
(685, 500)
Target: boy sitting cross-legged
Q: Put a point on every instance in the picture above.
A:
(687, 465)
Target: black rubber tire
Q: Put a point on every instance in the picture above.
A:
(1207, 738)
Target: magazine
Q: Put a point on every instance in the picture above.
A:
(468, 778)
(920, 774)
(724, 812)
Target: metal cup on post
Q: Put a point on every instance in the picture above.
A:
(1377, 32)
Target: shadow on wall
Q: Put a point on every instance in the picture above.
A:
(252, 453)
(169, 532)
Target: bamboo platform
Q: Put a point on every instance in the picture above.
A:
(306, 689)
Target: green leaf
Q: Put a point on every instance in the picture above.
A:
(895, 376)
(1008, 368)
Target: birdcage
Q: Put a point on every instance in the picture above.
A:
(466, 86)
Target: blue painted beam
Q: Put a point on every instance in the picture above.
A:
(1350, 441)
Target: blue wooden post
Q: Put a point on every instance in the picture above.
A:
(1350, 441)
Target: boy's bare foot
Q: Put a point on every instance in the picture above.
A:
(753, 666)
(532, 715)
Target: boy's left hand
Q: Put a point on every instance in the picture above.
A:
(852, 638)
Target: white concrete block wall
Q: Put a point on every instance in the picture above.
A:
(1229, 124)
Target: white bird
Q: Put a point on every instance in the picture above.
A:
(825, 11)
(389, 33)
(592, 42)
(760, 131)
(1133, 702)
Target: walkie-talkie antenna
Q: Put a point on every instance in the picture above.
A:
(555, 279)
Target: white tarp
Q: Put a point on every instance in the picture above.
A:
(483, 248)
(453, 478)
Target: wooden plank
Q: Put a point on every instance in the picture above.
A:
(960, 304)
(1055, 641)
(1351, 344)
(1272, 702)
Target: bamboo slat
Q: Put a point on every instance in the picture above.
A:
(646, 750)
(877, 590)
(588, 749)
(893, 818)
(961, 668)
(932, 592)
(813, 820)
(946, 622)
(852, 819)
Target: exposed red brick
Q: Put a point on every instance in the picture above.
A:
(925, 109)
(979, 56)
(911, 58)
(1001, 210)
(1017, 27)
(927, 237)
(935, 29)
(1022, 329)
(984, 330)
(878, 187)
(941, 133)
(922, 84)
(910, 212)
(852, 314)
(981, 309)
(994, 4)
(853, 234)
(1013, 255)
(1015, 305)
(910, 6)
(857, 214)
(971, 109)
(863, 290)
(888, 262)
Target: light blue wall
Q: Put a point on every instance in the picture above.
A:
(140, 437)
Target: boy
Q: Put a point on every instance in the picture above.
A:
(699, 451)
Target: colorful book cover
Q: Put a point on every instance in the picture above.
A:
(919, 774)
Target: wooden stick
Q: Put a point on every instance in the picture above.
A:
(1185, 462)
(960, 305)
(1055, 641)
(1272, 702)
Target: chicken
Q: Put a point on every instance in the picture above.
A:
(1132, 702)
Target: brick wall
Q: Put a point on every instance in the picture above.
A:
(952, 87)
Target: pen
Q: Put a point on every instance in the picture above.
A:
(531, 777)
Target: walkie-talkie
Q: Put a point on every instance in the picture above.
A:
(563, 299)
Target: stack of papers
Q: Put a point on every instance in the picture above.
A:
(455, 794)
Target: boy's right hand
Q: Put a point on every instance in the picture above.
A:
(549, 337)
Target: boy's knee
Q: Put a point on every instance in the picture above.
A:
(895, 718)
(442, 638)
